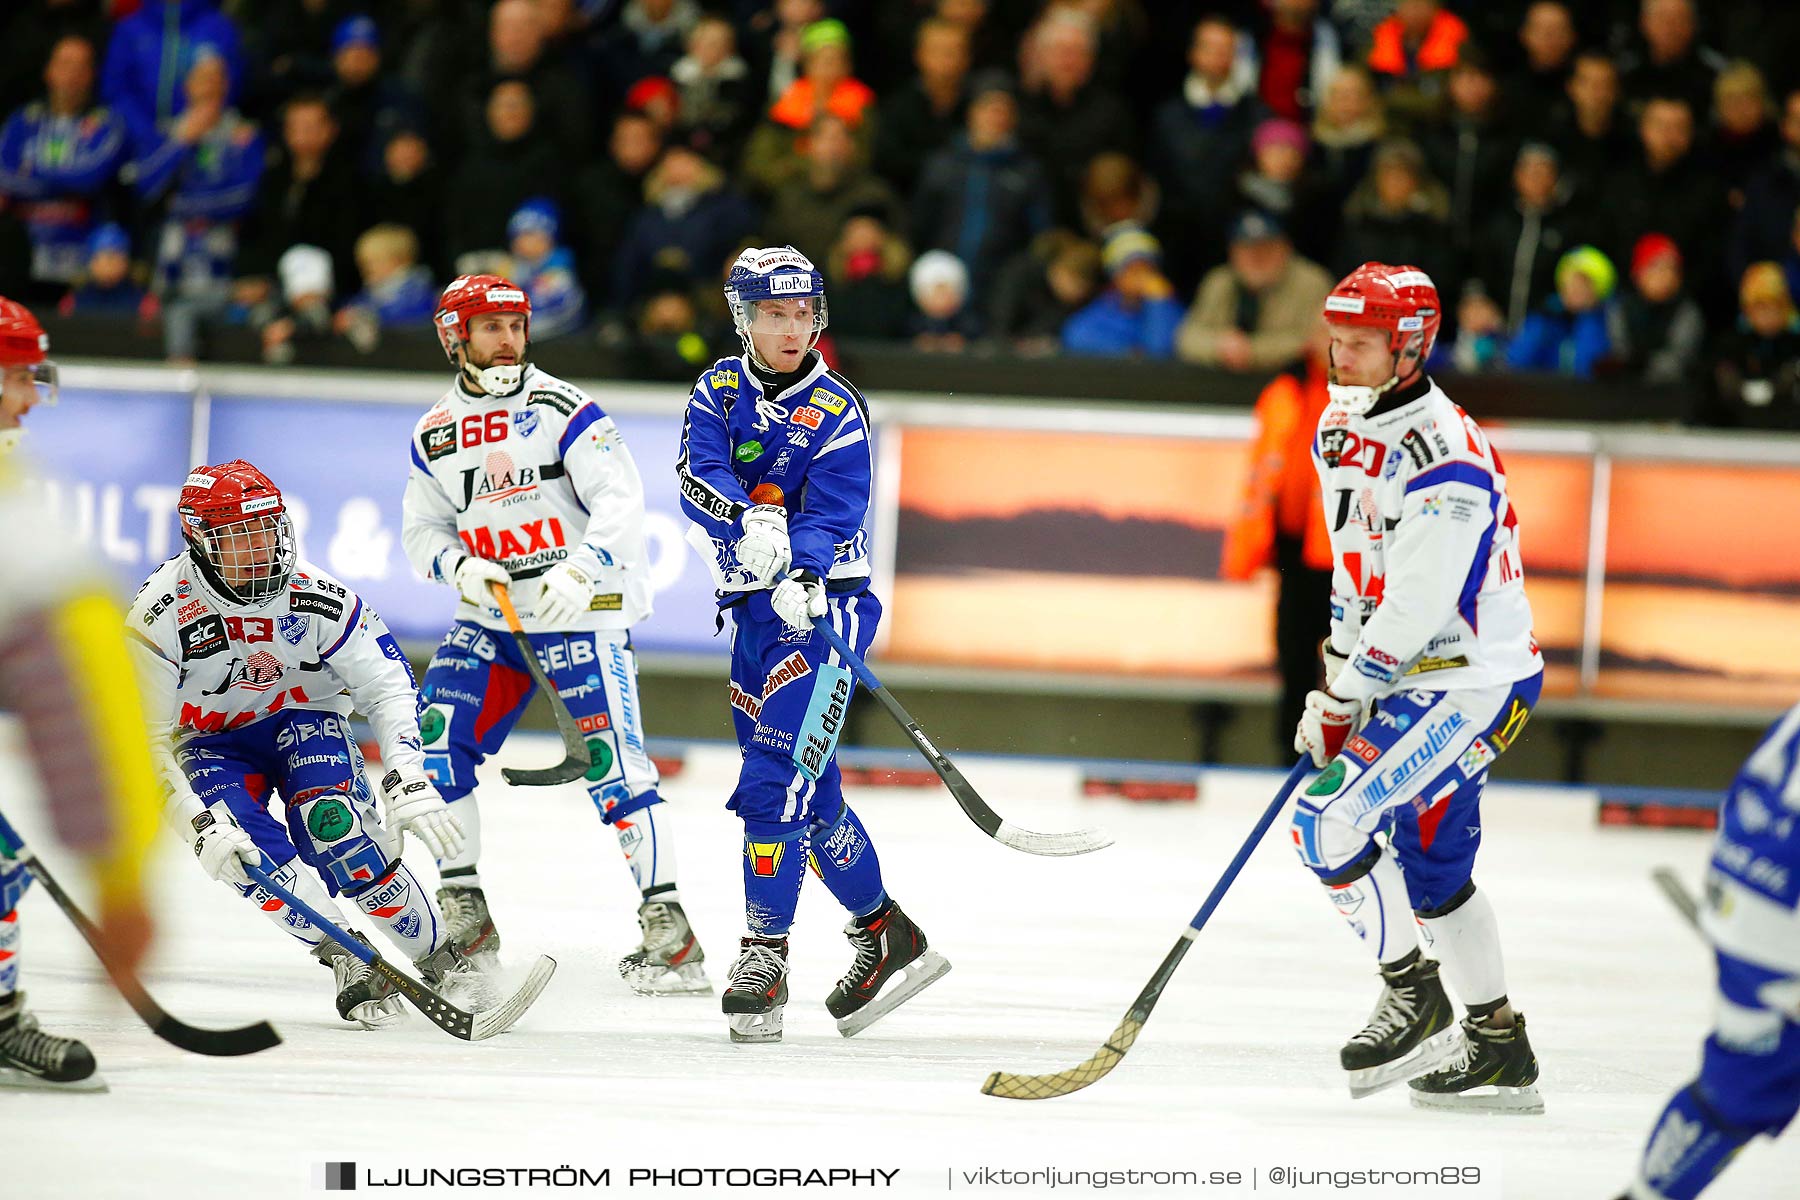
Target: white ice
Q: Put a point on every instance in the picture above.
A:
(1236, 1069)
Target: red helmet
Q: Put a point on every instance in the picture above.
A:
(470, 296)
(1401, 300)
(237, 527)
(23, 344)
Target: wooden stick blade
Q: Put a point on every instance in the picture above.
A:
(1008, 1086)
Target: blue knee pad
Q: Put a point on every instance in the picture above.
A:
(1750, 1067)
(614, 800)
(845, 859)
(774, 869)
(334, 838)
(1689, 1145)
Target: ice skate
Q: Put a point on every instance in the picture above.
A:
(757, 991)
(31, 1058)
(364, 996)
(669, 960)
(466, 914)
(1408, 1034)
(1494, 1071)
(893, 964)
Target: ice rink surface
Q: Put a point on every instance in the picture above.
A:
(1236, 1070)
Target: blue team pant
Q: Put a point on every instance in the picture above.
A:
(477, 686)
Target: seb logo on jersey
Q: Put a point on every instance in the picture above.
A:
(543, 537)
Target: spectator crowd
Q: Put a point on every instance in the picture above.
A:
(1605, 189)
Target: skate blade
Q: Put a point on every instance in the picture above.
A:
(914, 978)
(755, 1027)
(1520, 1101)
(504, 1016)
(379, 1014)
(689, 979)
(26, 1081)
(1425, 1058)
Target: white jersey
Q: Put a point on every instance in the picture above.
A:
(1427, 590)
(528, 481)
(209, 666)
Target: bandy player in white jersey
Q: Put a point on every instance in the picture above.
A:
(250, 660)
(1431, 672)
(519, 478)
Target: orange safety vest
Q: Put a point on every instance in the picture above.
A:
(1282, 494)
(1438, 52)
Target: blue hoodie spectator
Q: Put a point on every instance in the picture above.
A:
(151, 53)
(544, 270)
(1569, 334)
(1135, 317)
(56, 156)
(107, 288)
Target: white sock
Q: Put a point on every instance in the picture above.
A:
(306, 886)
(405, 913)
(469, 813)
(1467, 943)
(1377, 909)
(649, 852)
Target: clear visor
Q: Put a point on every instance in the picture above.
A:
(799, 316)
(41, 377)
(253, 557)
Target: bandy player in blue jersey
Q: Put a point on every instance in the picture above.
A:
(1431, 673)
(519, 478)
(775, 473)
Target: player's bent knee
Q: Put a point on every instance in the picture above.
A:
(1336, 850)
(615, 801)
(1457, 899)
(350, 850)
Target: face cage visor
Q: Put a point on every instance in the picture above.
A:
(779, 318)
(251, 559)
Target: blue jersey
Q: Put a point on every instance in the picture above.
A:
(55, 166)
(804, 447)
(1759, 822)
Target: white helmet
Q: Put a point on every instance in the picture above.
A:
(773, 273)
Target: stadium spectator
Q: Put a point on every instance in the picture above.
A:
(692, 220)
(1590, 132)
(1293, 57)
(1349, 125)
(1201, 136)
(1411, 54)
(1668, 59)
(106, 286)
(866, 275)
(1756, 372)
(773, 48)
(1400, 214)
(544, 269)
(1548, 37)
(807, 212)
(943, 320)
(369, 104)
(647, 41)
(920, 117)
(518, 50)
(1115, 189)
(1670, 190)
(609, 193)
(29, 32)
(506, 167)
(1472, 151)
(1278, 182)
(1260, 309)
(1065, 118)
(409, 191)
(58, 157)
(1040, 289)
(718, 104)
(310, 195)
(303, 313)
(1120, 32)
(774, 154)
(1744, 136)
(1656, 330)
(289, 44)
(1513, 261)
(1568, 335)
(398, 290)
(983, 197)
(1770, 197)
(152, 51)
(1136, 316)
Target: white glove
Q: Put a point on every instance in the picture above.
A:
(1326, 725)
(566, 594)
(223, 847)
(473, 576)
(1334, 662)
(412, 803)
(798, 599)
(764, 550)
